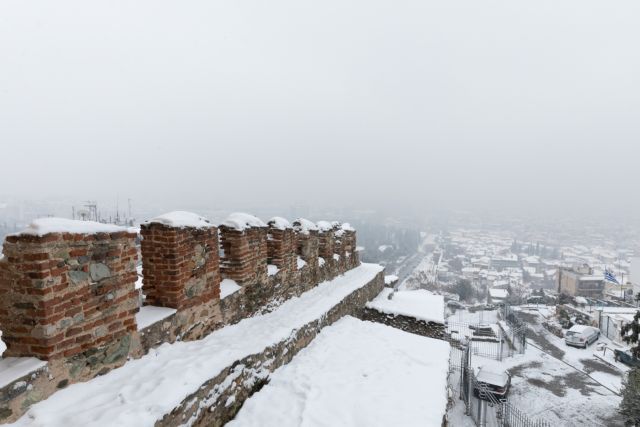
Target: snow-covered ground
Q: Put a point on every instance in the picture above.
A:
(142, 391)
(356, 373)
(419, 304)
(563, 385)
(427, 269)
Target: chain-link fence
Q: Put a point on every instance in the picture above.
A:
(490, 341)
(514, 329)
(483, 404)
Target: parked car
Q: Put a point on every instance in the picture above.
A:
(581, 336)
(455, 304)
(491, 384)
(627, 358)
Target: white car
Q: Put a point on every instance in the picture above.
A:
(581, 336)
(491, 381)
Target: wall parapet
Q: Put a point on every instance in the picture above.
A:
(69, 295)
(180, 261)
(65, 293)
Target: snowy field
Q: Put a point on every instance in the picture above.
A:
(142, 391)
(356, 373)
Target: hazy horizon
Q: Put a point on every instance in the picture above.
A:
(405, 107)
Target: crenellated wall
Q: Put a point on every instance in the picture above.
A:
(69, 297)
(326, 240)
(181, 265)
(65, 293)
(281, 247)
(244, 247)
(307, 241)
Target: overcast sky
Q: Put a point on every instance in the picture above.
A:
(367, 103)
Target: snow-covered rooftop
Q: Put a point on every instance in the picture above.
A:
(180, 219)
(144, 390)
(242, 221)
(499, 293)
(336, 382)
(42, 226)
(419, 304)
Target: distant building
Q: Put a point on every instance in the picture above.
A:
(635, 275)
(498, 295)
(580, 282)
(612, 319)
(501, 263)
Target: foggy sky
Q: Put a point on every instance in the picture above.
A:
(531, 106)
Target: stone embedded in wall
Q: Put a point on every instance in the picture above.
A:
(181, 265)
(244, 247)
(65, 293)
(405, 323)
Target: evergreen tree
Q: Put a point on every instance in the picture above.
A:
(630, 406)
(630, 334)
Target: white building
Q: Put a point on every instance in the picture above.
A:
(635, 275)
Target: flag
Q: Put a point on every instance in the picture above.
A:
(608, 276)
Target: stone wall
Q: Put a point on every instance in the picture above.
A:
(307, 243)
(244, 258)
(325, 245)
(63, 294)
(281, 247)
(181, 266)
(70, 298)
(405, 323)
(219, 399)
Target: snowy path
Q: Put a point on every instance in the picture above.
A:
(144, 390)
(335, 382)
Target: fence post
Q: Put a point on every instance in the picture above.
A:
(483, 413)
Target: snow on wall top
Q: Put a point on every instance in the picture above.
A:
(144, 390)
(304, 226)
(181, 219)
(42, 226)
(347, 227)
(242, 221)
(335, 382)
(419, 304)
(279, 223)
(3, 346)
(324, 226)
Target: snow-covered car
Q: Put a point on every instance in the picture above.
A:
(491, 384)
(581, 336)
(455, 304)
